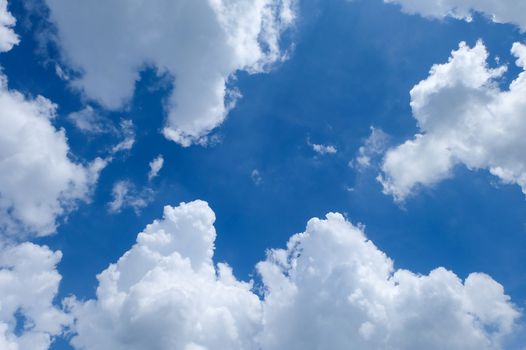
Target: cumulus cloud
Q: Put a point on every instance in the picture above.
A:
(202, 44)
(502, 11)
(166, 293)
(28, 284)
(38, 180)
(331, 288)
(464, 118)
(155, 166)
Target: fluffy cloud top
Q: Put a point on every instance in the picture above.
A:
(201, 43)
(331, 288)
(501, 11)
(464, 118)
(334, 289)
(28, 285)
(166, 293)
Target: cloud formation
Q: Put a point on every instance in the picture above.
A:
(202, 44)
(501, 11)
(30, 145)
(465, 118)
(28, 284)
(166, 293)
(330, 288)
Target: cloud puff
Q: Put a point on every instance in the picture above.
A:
(323, 149)
(502, 11)
(38, 180)
(28, 284)
(331, 288)
(155, 166)
(201, 43)
(464, 118)
(166, 293)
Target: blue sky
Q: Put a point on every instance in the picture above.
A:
(350, 67)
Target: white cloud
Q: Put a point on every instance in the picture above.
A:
(155, 166)
(166, 293)
(126, 195)
(501, 11)
(334, 289)
(38, 181)
(464, 118)
(323, 149)
(373, 146)
(28, 284)
(8, 37)
(331, 288)
(201, 43)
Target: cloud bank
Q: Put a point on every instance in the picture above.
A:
(202, 44)
(330, 288)
(464, 118)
